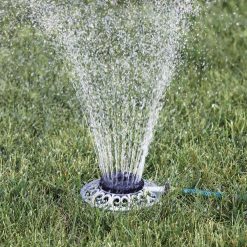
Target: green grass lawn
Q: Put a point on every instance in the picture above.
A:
(46, 152)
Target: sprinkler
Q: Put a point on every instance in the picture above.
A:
(121, 196)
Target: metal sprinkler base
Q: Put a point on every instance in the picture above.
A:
(93, 194)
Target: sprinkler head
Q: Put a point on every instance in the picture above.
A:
(121, 183)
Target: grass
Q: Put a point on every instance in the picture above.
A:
(46, 152)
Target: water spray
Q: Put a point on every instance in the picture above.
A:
(123, 58)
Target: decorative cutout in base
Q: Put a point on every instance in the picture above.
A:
(150, 194)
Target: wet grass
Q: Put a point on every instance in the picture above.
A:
(46, 152)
